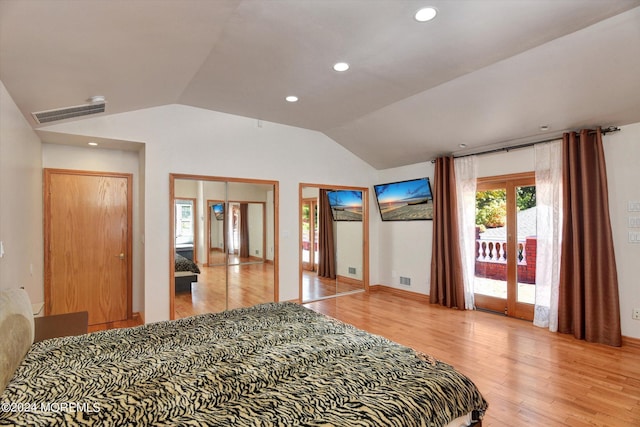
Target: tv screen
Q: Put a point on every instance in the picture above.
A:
(346, 205)
(405, 200)
(218, 211)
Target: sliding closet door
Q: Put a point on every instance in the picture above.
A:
(250, 278)
(238, 244)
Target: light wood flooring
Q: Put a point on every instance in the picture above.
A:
(248, 284)
(529, 376)
(314, 287)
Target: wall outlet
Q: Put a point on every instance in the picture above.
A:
(635, 314)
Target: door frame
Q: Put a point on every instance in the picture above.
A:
(47, 173)
(510, 307)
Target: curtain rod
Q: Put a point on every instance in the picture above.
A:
(528, 144)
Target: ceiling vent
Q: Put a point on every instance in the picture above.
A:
(69, 112)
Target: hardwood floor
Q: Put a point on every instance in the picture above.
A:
(314, 287)
(249, 284)
(529, 376)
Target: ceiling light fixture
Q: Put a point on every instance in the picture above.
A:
(425, 14)
(544, 127)
(341, 66)
(462, 145)
(93, 144)
(292, 98)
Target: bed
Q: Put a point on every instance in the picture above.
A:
(186, 273)
(276, 364)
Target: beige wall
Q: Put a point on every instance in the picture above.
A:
(20, 201)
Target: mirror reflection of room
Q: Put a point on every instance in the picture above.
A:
(226, 229)
(332, 243)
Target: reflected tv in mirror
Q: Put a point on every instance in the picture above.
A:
(218, 211)
(409, 200)
(346, 205)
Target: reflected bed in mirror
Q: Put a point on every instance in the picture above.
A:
(333, 235)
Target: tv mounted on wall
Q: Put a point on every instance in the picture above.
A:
(218, 211)
(346, 205)
(409, 200)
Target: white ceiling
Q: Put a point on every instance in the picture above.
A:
(484, 72)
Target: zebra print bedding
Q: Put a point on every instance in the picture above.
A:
(277, 364)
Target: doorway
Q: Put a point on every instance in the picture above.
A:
(505, 264)
(88, 245)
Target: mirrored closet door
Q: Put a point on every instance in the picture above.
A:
(333, 241)
(234, 245)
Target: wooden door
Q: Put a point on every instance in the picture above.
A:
(88, 244)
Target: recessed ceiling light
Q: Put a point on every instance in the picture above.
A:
(292, 98)
(425, 14)
(97, 98)
(462, 145)
(93, 144)
(341, 66)
(544, 127)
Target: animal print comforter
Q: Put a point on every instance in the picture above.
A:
(276, 364)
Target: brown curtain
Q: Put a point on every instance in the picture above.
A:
(326, 247)
(447, 286)
(588, 304)
(244, 230)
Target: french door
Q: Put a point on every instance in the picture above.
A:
(505, 264)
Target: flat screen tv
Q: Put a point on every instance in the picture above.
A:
(218, 211)
(346, 205)
(409, 200)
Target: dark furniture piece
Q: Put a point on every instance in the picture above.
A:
(60, 325)
(184, 279)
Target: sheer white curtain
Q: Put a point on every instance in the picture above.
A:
(466, 169)
(548, 168)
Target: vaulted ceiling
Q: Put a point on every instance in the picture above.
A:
(483, 73)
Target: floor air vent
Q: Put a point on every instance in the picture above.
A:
(69, 112)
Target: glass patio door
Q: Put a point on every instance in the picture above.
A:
(505, 264)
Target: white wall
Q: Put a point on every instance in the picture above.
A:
(58, 156)
(622, 153)
(181, 139)
(20, 202)
(404, 248)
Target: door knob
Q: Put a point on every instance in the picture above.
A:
(121, 256)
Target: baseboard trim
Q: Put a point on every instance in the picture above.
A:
(631, 342)
(136, 316)
(402, 292)
(349, 280)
